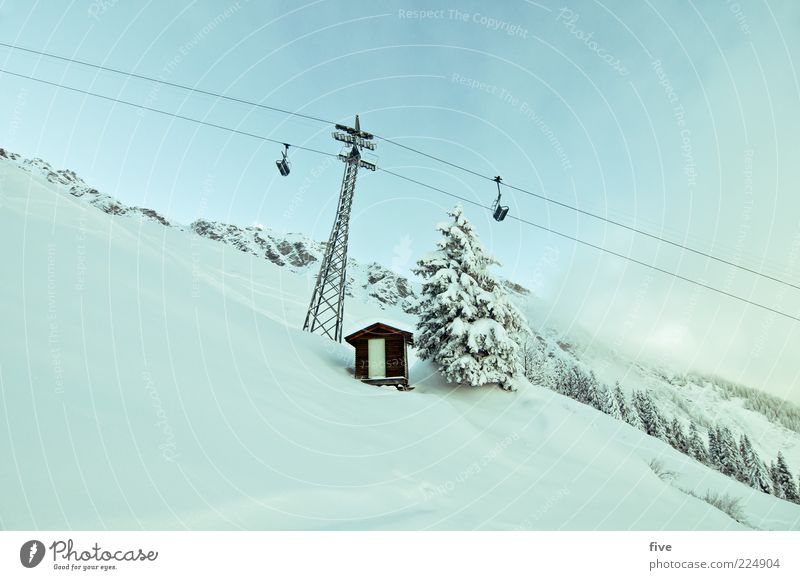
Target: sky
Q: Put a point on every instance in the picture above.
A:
(677, 118)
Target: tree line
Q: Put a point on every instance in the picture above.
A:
(720, 449)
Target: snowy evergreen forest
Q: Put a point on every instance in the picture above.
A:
(730, 453)
(471, 330)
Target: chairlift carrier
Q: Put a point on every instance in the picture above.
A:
(283, 164)
(500, 211)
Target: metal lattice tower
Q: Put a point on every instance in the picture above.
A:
(326, 311)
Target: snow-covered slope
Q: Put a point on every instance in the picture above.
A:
(69, 182)
(372, 283)
(299, 254)
(703, 400)
(152, 378)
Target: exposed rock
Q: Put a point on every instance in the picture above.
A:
(153, 215)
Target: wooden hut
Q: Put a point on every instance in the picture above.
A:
(382, 355)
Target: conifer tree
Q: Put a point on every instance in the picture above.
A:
(569, 383)
(555, 374)
(730, 458)
(533, 355)
(467, 324)
(608, 403)
(777, 489)
(592, 395)
(651, 418)
(713, 448)
(697, 448)
(782, 478)
(754, 470)
(622, 403)
(677, 437)
(635, 420)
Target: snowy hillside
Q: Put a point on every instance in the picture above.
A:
(299, 254)
(153, 377)
(694, 398)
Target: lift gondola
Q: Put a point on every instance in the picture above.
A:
(500, 211)
(283, 164)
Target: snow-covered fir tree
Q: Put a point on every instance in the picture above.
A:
(713, 448)
(676, 436)
(566, 382)
(697, 448)
(729, 457)
(629, 413)
(532, 357)
(652, 420)
(582, 386)
(609, 404)
(467, 325)
(782, 480)
(592, 394)
(754, 470)
(622, 403)
(777, 490)
(635, 421)
(539, 364)
(554, 374)
(569, 380)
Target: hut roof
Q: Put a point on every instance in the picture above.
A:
(379, 326)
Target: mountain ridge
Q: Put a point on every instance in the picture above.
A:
(295, 251)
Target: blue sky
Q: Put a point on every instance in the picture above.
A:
(677, 117)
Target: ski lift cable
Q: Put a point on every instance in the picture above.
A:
(163, 82)
(602, 249)
(608, 220)
(162, 112)
(224, 97)
(422, 184)
(705, 254)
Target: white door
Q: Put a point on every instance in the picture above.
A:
(377, 358)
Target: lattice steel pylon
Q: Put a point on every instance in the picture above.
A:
(326, 310)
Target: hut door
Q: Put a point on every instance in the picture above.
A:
(377, 358)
